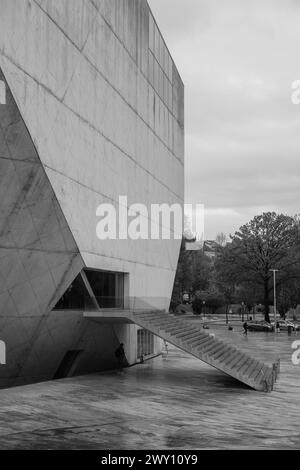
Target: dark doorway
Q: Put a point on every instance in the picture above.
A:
(68, 364)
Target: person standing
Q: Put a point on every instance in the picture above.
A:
(120, 355)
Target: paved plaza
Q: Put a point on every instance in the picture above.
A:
(174, 402)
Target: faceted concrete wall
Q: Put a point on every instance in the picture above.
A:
(93, 93)
(38, 260)
(38, 255)
(95, 112)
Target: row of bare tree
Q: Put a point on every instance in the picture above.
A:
(241, 270)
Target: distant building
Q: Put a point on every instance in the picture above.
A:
(193, 245)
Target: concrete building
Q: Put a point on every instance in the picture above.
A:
(91, 108)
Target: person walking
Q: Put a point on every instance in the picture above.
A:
(245, 326)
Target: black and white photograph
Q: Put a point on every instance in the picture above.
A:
(149, 228)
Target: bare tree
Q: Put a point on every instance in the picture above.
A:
(269, 241)
(221, 239)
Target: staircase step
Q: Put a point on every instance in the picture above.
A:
(175, 329)
(247, 373)
(150, 315)
(231, 356)
(242, 364)
(215, 347)
(227, 355)
(188, 336)
(222, 356)
(219, 350)
(241, 369)
(192, 329)
(196, 343)
(175, 333)
(161, 323)
(206, 346)
(256, 370)
(167, 324)
(190, 341)
(239, 356)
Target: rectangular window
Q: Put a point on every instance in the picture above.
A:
(108, 288)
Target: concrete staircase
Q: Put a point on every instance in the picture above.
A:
(206, 347)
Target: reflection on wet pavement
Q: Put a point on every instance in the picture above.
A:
(175, 402)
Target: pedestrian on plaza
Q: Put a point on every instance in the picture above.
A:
(120, 355)
(245, 326)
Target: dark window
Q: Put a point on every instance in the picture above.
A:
(107, 288)
(75, 296)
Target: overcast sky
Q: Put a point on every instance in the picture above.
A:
(238, 59)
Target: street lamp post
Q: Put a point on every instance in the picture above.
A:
(243, 310)
(274, 271)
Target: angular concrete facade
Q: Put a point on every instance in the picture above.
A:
(94, 110)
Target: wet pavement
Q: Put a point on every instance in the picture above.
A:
(174, 402)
